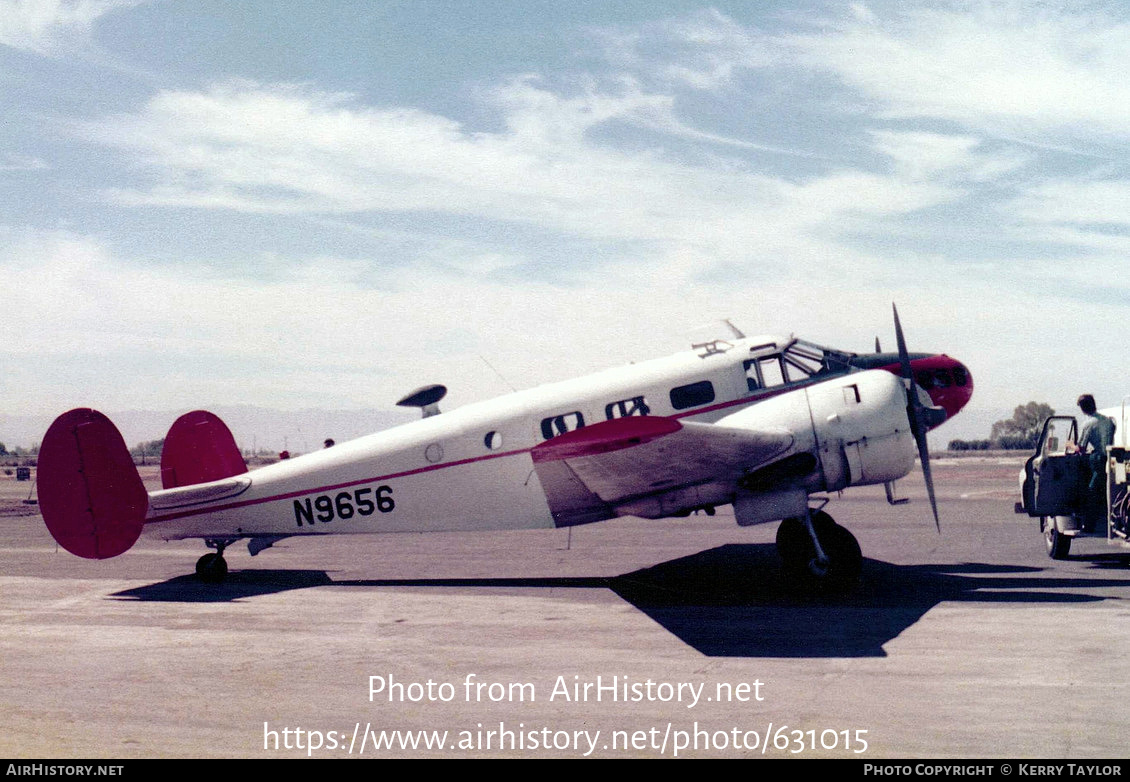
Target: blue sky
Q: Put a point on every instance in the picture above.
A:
(292, 204)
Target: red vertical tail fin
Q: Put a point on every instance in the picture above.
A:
(90, 494)
(199, 448)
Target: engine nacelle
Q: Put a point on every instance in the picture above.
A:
(855, 427)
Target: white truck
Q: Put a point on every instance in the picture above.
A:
(1057, 486)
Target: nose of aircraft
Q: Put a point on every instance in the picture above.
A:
(946, 380)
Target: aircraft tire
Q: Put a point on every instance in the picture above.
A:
(1058, 544)
(212, 568)
(794, 546)
(845, 558)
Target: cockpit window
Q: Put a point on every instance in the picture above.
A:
(796, 362)
(772, 371)
(752, 379)
(560, 424)
(804, 362)
(637, 405)
(960, 377)
(812, 359)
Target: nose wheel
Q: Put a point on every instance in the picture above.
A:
(826, 558)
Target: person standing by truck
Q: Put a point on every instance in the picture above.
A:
(1096, 437)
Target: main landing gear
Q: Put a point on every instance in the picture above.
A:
(818, 553)
(213, 568)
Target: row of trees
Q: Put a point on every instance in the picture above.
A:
(148, 452)
(1011, 434)
(18, 456)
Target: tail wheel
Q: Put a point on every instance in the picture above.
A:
(212, 568)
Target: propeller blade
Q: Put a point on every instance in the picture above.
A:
(915, 413)
(904, 357)
(924, 460)
(877, 348)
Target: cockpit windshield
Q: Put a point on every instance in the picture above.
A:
(795, 361)
(810, 359)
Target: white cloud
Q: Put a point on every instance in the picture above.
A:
(706, 50)
(1086, 202)
(933, 98)
(12, 162)
(45, 26)
(105, 331)
(1026, 68)
(922, 155)
(289, 149)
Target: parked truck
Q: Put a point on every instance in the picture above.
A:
(1059, 487)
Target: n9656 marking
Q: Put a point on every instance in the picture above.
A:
(343, 505)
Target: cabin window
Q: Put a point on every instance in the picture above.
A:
(692, 395)
(493, 440)
(560, 424)
(637, 405)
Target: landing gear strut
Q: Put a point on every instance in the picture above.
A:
(212, 568)
(820, 554)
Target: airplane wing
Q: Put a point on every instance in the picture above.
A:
(648, 465)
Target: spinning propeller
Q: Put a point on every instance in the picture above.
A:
(921, 416)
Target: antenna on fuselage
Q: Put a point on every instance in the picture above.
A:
(736, 331)
(495, 371)
(426, 398)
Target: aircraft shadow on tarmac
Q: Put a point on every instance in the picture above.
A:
(729, 601)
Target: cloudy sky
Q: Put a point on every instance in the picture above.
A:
(297, 204)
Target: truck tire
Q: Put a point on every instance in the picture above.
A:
(1058, 544)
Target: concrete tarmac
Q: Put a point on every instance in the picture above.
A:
(968, 644)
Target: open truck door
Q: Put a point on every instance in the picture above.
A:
(1054, 485)
(1052, 476)
(1055, 488)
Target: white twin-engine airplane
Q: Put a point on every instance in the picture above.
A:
(761, 423)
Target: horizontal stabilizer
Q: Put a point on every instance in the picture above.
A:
(90, 494)
(199, 448)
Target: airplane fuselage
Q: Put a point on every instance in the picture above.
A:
(473, 468)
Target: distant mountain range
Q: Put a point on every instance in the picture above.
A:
(301, 431)
(254, 428)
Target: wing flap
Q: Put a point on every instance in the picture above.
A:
(625, 459)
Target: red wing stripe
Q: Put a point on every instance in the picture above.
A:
(604, 437)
